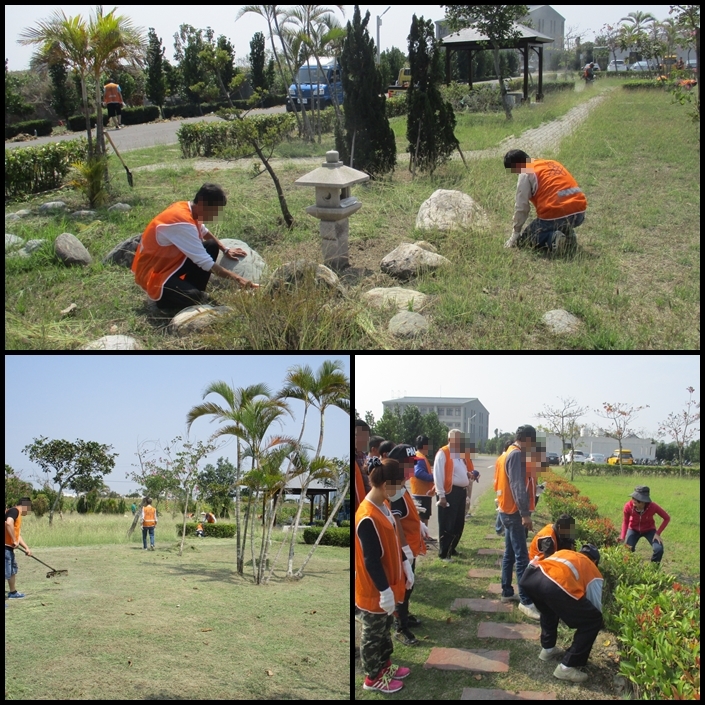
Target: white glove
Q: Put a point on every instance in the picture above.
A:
(409, 575)
(512, 240)
(424, 531)
(408, 553)
(386, 601)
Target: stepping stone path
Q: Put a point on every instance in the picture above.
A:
(480, 660)
(493, 536)
(480, 605)
(482, 573)
(508, 631)
(482, 694)
(490, 552)
(495, 589)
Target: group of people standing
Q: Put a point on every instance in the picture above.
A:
(555, 582)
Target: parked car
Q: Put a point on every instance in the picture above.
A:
(617, 65)
(643, 66)
(578, 457)
(595, 458)
(627, 458)
(552, 458)
(314, 87)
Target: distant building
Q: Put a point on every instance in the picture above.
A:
(640, 447)
(464, 413)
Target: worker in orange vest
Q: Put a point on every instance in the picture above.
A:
(422, 489)
(452, 473)
(567, 586)
(560, 203)
(149, 523)
(13, 524)
(362, 439)
(112, 98)
(554, 537)
(176, 254)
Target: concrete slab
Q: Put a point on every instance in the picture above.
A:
(495, 589)
(479, 605)
(480, 660)
(508, 631)
(493, 536)
(486, 694)
(483, 573)
(490, 552)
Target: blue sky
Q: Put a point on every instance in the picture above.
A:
(120, 400)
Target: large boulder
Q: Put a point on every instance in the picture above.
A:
(408, 260)
(70, 250)
(396, 296)
(52, 207)
(124, 253)
(407, 324)
(291, 274)
(251, 267)
(195, 318)
(561, 322)
(450, 210)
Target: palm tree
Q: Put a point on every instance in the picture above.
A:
(328, 387)
(235, 400)
(638, 19)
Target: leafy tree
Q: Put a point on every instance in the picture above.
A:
(563, 422)
(70, 461)
(497, 22)
(391, 61)
(430, 121)
(621, 416)
(680, 426)
(15, 487)
(368, 142)
(15, 104)
(156, 83)
(63, 95)
(216, 485)
(259, 79)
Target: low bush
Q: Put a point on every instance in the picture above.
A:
(216, 531)
(332, 537)
(41, 127)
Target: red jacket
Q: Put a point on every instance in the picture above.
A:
(645, 521)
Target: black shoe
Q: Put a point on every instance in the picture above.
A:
(413, 621)
(406, 637)
(456, 554)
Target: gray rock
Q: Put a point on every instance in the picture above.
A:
(396, 296)
(120, 208)
(68, 249)
(407, 324)
(449, 210)
(33, 245)
(251, 267)
(292, 273)
(426, 246)
(113, 342)
(12, 217)
(561, 322)
(124, 253)
(12, 242)
(195, 318)
(408, 260)
(23, 213)
(84, 214)
(52, 207)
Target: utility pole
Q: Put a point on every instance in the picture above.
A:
(379, 24)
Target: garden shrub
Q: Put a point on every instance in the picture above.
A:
(217, 531)
(333, 536)
(41, 127)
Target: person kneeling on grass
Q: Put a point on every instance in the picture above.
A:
(639, 522)
(13, 522)
(560, 203)
(567, 586)
(177, 253)
(382, 571)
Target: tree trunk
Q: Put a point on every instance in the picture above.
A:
(238, 560)
(55, 505)
(100, 139)
(294, 529)
(502, 89)
(288, 219)
(87, 115)
(183, 528)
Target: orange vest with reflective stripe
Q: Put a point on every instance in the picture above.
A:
(570, 570)
(153, 263)
(421, 487)
(112, 94)
(558, 193)
(8, 538)
(448, 479)
(411, 524)
(150, 517)
(547, 531)
(359, 486)
(503, 490)
(366, 594)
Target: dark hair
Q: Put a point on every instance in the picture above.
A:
(387, 470)
(526, 433)
(211, 195)
(362, 424)
(147, 500)
(25, 500)
(375, 441)
(421, 441)
(515, 157)
(506, 445)
(386, 447)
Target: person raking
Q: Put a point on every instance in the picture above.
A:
(13, 522)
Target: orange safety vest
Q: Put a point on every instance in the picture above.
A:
(502, 488)
(546, 532)
(153, 263)
(359, 486)
(112, 94)
(448, 479)
(366, 594)
(421, 487)
(411, 524)
(558, 194)
(570, 570)
(150, 517)
(8, 538)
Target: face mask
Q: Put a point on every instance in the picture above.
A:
(397, 495)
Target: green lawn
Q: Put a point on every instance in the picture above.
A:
(131, 625)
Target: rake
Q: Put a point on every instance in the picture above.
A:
(129, 173)
(52, 572)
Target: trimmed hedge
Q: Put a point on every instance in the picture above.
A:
(130, 116)
(216, 531)
(29, 127)
(333, 536)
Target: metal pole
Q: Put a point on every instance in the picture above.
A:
(379, 24)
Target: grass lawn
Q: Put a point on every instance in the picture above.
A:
(634, 281)
(131, 625)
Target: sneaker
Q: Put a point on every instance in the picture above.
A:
(569, 674)
(455, 554)
(15, 595)
(406, 637)
(550, 654)
(445, 560)
(559, 241)
(397, 671)
(384, 683)
(530, 611)
(510, 598)
(151, 548)
(414, 621)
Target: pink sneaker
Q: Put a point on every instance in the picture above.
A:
(397, 671)
(384, 683)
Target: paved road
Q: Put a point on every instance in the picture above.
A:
(139, 136)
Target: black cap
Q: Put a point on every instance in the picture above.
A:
(591, 552)
(402, 452)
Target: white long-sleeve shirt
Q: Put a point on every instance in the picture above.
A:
(459, 470)
(527, 184)
(189, 240)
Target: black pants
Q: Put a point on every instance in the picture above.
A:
(180, 293)
(451, 521)
(554, 603)
(401, 617)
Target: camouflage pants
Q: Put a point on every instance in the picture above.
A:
(376, 640)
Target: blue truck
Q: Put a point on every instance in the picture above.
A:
(314, 88)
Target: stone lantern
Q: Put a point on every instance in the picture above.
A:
(334, 205)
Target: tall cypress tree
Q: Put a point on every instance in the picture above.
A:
(430, 122)
(156, 82)
(368, 136)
